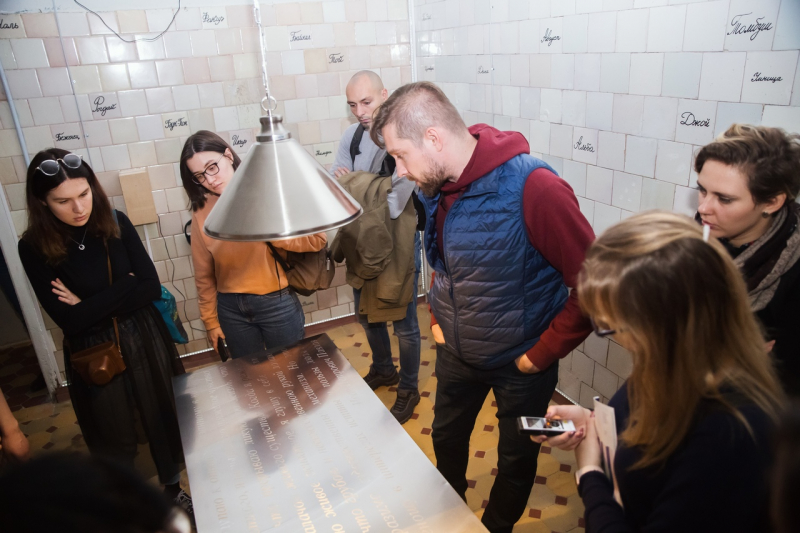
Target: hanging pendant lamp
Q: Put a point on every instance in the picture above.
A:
(279, 190)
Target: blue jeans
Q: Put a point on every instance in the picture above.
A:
(254, 322)
(460, 392)
(406, 331)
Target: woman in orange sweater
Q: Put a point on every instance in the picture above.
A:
(242, 290)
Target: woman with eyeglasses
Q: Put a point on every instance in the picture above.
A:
(695, 418)
(245, 299)
(748, 180)
(73, 238)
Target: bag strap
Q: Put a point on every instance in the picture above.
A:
(355, 143)
(284, 265)
(110, 282)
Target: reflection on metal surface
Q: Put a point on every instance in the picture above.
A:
(297, 442)
(279, 191)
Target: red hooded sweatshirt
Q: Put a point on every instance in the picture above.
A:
(555, 226)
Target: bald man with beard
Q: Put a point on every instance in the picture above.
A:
(365, 93)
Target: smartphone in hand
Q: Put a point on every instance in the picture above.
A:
(544, 426)
(222, 349)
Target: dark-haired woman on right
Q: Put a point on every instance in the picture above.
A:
(242, 290)
(748, 182)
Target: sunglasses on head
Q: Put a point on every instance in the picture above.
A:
(49, 167)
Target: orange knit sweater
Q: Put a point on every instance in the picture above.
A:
(237, 267)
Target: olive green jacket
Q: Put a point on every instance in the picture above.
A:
(379, 251)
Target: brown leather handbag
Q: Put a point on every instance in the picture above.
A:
(99, 364)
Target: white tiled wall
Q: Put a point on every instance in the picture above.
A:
(645, 82)
(204, 73)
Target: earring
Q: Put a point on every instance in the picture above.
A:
(765, 214)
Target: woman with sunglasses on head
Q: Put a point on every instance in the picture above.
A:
(695, 418)
(748, 180)
(73, 241)
(242, 290)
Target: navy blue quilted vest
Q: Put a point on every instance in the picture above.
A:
(494, 294)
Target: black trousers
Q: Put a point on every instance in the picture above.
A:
(460, 393)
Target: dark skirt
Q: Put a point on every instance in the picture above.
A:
(108, 414)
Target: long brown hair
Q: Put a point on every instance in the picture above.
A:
(45, 232)
(202, 141)
(683, 305)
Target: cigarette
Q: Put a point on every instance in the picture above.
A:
(706, 232)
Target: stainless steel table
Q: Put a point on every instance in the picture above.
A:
(297, 442)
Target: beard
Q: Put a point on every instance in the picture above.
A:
(431, 181)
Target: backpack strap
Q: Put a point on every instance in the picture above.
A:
(284, 265)
(114, 214)
(355, 143)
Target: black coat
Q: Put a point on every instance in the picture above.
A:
(781, 320)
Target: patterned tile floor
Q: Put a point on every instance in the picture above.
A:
(554, 505)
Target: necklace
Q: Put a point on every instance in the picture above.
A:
(80, 244)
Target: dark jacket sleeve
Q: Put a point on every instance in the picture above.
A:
(73, 319)
(602, 512)
(559, 231)
(148, 287)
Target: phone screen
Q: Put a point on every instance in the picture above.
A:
(543, 423)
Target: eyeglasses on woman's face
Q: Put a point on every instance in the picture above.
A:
(49, 167)
(211, 170)
(602, 330)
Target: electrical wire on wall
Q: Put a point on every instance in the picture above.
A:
(143, 39)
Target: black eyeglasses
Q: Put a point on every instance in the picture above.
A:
(211, 170)
(49, 167)
(600, 332)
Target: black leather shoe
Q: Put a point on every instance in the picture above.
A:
(403, 407)
(375, 379)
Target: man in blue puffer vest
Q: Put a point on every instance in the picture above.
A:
(505, 237)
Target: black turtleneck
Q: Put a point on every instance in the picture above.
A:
(85, 273)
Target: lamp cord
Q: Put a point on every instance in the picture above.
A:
(146, 39)
(262, 39)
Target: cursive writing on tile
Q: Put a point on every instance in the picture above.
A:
(741, 26)
(299, 36)
(100, 108)
(760, 77)
(171, 124)
(335, 58)
(63, 137)
(549, 38)
(586, 147)
(215, 19)
(8, 25)
(690, 120)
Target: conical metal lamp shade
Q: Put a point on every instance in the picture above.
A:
(279, 191)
